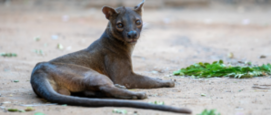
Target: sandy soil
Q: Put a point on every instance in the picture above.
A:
(171, 39)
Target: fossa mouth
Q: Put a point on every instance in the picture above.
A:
(132, 41)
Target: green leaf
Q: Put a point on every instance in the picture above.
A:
(60, 46)
(37, 38)
(120, 111)
(209, 112)
(39, 52)
(177, 72)
(158, 103)
(29, 109)
(219, 69)
(12, 110)
(21, 111)
(201, 64)
(205, 64)
(9, 54)
(39, 113)
(221, 62)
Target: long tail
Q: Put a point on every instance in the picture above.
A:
(42, 87)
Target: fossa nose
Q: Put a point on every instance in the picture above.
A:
(132, 34)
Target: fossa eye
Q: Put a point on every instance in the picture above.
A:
(120, 25)
(138, 22)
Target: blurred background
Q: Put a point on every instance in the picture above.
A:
(176, 34)
(225, 25)
(82, 4)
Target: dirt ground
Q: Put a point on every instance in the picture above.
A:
(171, 39)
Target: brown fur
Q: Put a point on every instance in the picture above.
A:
(104, 69)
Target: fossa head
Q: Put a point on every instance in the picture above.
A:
(125, 23)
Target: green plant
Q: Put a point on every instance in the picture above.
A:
(209, 112)
(219, 69)
(8, 54)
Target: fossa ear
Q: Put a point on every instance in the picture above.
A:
(139, 7)
(109, 12)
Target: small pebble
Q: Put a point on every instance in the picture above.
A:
(135, 113)
(262, 56)
(60, 46)
(54, 37)
(29, 109)
(230, 55)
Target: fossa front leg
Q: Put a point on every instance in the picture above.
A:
(140, 81)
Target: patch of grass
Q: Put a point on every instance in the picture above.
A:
(120, 111)
(219, 69)
(39, 52)
(209, 112)
(157, 103)
(8, 54)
